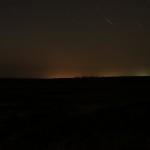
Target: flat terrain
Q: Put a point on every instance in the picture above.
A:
(75, 114)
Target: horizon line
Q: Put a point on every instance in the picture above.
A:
(76, 77)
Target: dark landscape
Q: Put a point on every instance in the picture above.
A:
(74, 75)
(76, 113)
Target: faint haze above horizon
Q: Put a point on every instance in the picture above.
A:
(63, 38)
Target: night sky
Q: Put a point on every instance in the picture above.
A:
(68, 38)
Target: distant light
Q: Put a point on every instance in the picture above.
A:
(142, 74)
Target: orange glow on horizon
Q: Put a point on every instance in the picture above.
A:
(104, 74)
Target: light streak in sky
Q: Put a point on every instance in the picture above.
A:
(104, 16)
(109, 21)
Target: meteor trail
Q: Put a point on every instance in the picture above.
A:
(109, 21)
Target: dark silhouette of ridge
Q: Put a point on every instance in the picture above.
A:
(75, 113)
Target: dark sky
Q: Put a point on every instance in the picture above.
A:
(66, 38)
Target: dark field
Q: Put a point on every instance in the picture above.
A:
(75, 114)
